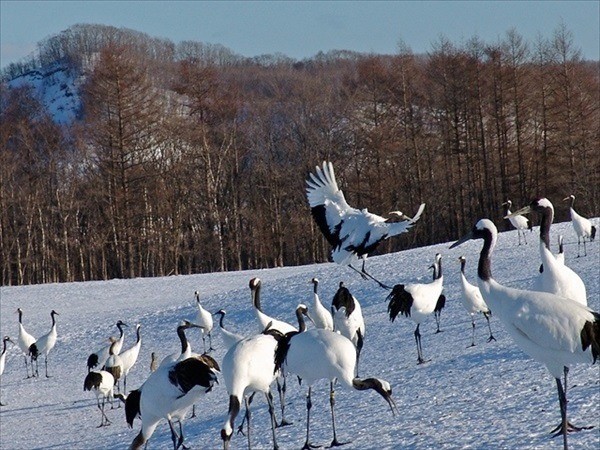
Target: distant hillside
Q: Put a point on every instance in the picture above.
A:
(125, 155)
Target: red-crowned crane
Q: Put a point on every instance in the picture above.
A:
(353, 233)
(417, 301)
(582, 226)
(323, 354)
(99, 358)
(517, 220)
(553, 330)
(249, 367)
(205, 320)
(229, 338)
(3, 358)
(473, 302)
(348, 319)
(44, 344)
(554, 276)
(168, 393)
(265, 321)
(130, 356)
(318, 314)
(102, 384)
(24, 341)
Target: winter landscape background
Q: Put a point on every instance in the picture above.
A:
(488, 396)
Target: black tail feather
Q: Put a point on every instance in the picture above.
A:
(92, 380)
(590, 336)
(33, 351)
(593, 234)
(132, 406)
(400, 302)
(92, 361)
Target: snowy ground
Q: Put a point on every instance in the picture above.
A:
(488, 396)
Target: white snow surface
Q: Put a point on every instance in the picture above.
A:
(488, 396)
(57, 89)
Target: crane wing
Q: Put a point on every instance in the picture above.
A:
(327, 202)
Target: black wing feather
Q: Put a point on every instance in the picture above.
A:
(92, 380)
(343, 297)
(192, 372)
(319, 213)
(400, 302)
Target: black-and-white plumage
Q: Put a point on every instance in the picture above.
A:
(264, 321)
(417, 301)
(102, 384)
(554, 277)
(441, 303)
(24, 341)
(517, 220)
(5, 340)
(582, 226)
(44, 344)
(229, 338)
(473, 301)
(114, 366)
(353, 233)
(348, 319)
(249, 367)
(553, 330)
(168, 393)
(323, 354)
(186, 348)
(130, 356)
(205, 320)
(98, 359)
(318, 314)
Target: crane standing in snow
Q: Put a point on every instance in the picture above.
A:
(24, 341)
(323, 354)
(3, 358)
(352, 233)
(417, 301)
(44, 345)
(520, 222)
(583, 227)
(102, 383)
(473, 301)
(205, 320)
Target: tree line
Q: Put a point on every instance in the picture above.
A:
(188, 158)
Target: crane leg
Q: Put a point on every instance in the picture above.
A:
(307, 444)
(46, 364)
(363, 273)
(273, 421)
(473, 335)
(334, 442)
(565, 426)
(487, 317)
(281, 389)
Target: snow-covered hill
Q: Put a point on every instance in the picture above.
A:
(57, 87)
(488, 396)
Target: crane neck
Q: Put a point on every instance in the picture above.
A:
(463, 263)
(4, 346)
(120, 327)
(221, 319)
(184, 342)
(256, 297)
(139, 336)
(53, 320)
(301, 321)
(484, 268)
(20, 316)
(546, 222)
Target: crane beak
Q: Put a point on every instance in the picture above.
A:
(462, 240)
(520, 212)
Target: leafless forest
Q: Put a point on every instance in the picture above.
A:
(188, 158)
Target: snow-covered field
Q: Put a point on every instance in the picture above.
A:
(488, 396)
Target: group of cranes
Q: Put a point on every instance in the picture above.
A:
(551, 323)
(32, 348)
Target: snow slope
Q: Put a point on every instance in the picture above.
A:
(488, 396)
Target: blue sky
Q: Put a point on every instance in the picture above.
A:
(300, 29)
